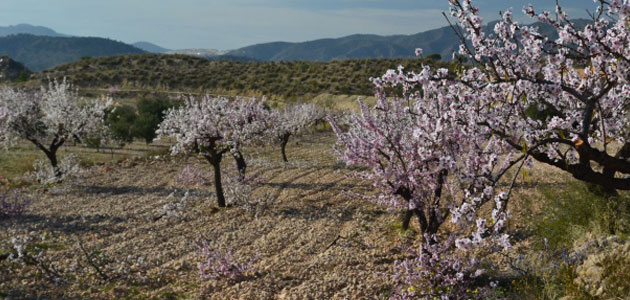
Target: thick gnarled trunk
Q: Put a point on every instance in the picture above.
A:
(431, 220)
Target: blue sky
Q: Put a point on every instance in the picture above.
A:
(229, 24)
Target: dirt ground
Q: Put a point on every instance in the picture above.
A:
(106, 236)
(313, 242)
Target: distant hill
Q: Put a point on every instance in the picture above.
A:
(176, 72)
(442, 41)
(150, 47)
(11, 70)
(198, 52)
(42, 52)
(29, 29)
(211, 54)
(45, 51)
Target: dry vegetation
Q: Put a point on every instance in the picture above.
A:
(20, 158)
(287, 79)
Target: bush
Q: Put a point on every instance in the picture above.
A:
(23, 76)
(12, 204)
(150, 115)
(220, 264)
(434, 57)
(573, 246)
(121, 123)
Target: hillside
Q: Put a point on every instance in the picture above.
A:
(43, 48)
(150, 47)
(11, 70)
(42, 52)
(188, 73)
(29, 29)
(442, 41)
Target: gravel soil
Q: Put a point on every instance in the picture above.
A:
(107, 238)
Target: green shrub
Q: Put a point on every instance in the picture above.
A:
(23, 76)
(434, 57)
(121, 123)
(150, 115)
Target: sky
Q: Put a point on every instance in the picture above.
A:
(231, 24)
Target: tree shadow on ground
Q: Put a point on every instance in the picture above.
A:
(311, 186)
(136, 190)
(68, 224)
(313, 213)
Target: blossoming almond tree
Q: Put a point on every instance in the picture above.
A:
(213, 127)
(49, 118)
(516, 70)
(443, 145)
(250, 119)
(292, 120)
(426, 153)
(585, 128)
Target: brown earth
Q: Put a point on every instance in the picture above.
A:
(313, 242)
(108, 238)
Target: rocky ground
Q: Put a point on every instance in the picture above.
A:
(106, 237)
(124, 231)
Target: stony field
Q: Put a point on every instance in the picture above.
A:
(107, 237)
(312, 242)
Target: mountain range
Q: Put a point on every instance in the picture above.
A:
(442, 41)
(40, 48)
(29, 29)
(43, 52)
(150, 47)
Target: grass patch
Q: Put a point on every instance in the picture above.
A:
(15, 162)
(396, 228)
(579, 208)
(19, 160)
(163, 151)
(576, 212)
